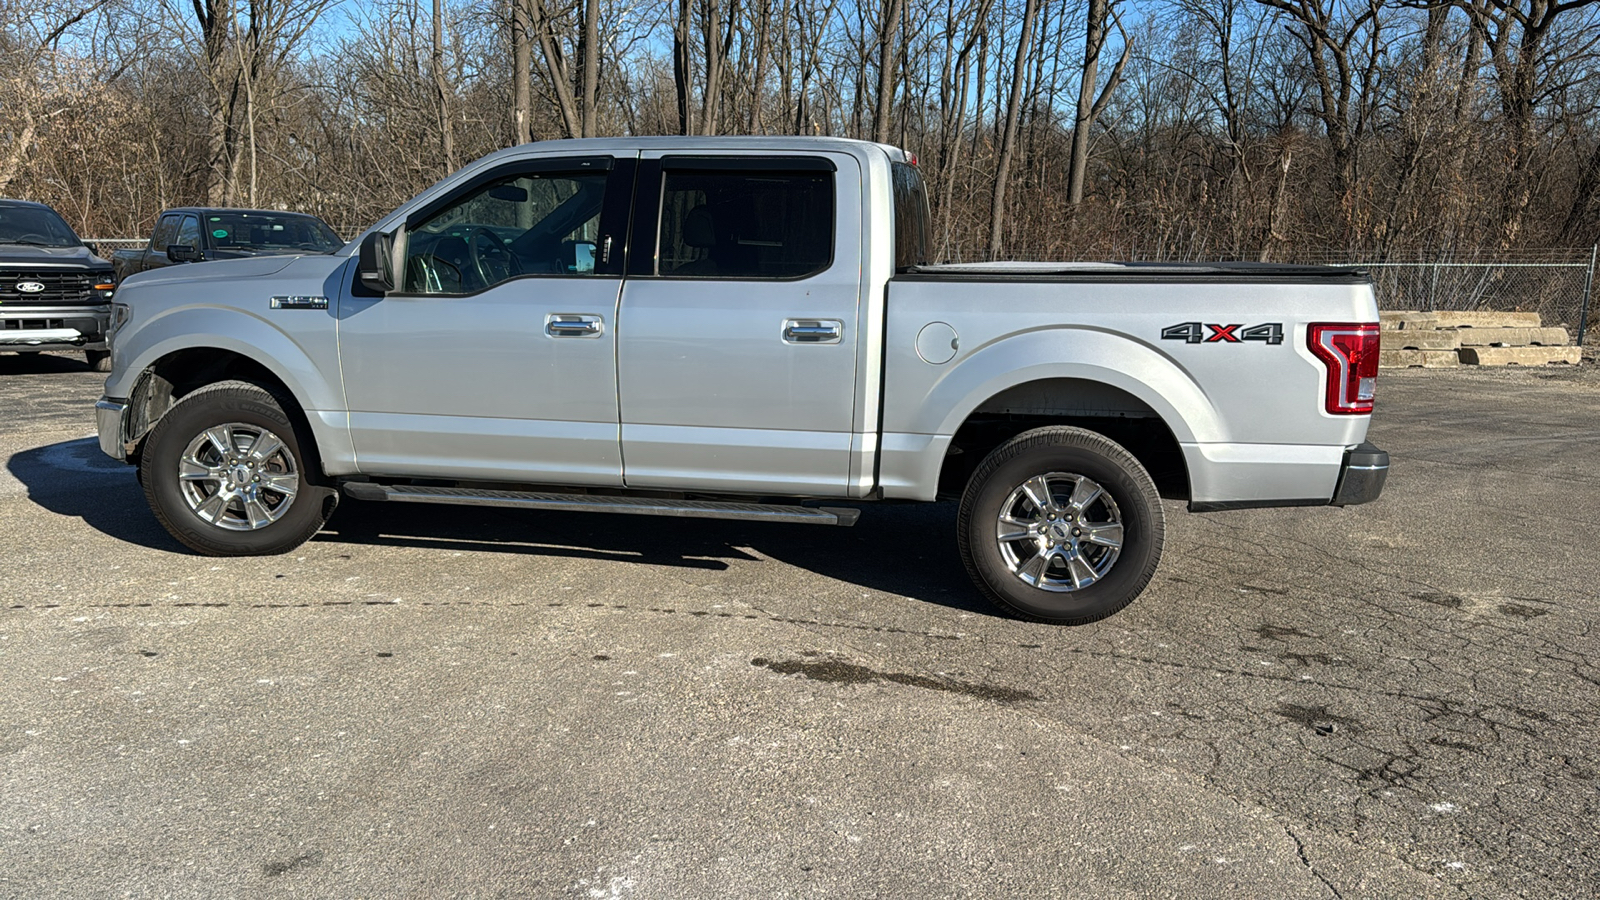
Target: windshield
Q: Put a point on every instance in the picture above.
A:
(35, 225)
(270, 231)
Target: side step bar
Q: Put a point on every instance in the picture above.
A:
(639, 506)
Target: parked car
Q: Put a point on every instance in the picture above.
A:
(194, 234)
(55, 293)
(740, 328)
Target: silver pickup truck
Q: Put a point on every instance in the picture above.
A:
(739, 328)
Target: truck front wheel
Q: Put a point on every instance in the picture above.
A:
(1061, 525)
(227, 475)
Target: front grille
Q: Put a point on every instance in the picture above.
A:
(59, 286)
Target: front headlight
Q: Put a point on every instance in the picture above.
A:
(120, 314)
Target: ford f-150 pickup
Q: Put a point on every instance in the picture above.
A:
(740, 328)
(55, 294)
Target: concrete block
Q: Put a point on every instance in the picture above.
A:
(1428, 359)
(1394, 320)
(1512, 337)
(1516, 356)
(1420, 339)
(1447, 319)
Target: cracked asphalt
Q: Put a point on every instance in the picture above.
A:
(1396, 700)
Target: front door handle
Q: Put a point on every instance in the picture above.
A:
(573, 325)
(813, 331)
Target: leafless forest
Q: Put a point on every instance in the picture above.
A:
(1091, 128)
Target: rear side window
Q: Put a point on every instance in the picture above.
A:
(913, 231)
(745, 224)
(166, 230)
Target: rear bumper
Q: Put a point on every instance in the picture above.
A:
(1361, 479)
(111, 420)
(1348, 475)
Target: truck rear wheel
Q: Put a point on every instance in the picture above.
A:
(98, 360)
(227, 474)
(1061, 525)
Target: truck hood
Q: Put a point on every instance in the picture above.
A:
(213, 270)
(27, 255)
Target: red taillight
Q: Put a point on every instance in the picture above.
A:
(1350, 351)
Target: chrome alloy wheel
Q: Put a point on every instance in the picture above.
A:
(237, 476)
(1059, 532)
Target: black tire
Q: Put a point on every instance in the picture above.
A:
(1059, 455)
(99, 360)
(216, 406)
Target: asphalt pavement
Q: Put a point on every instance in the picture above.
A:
(1395, 700)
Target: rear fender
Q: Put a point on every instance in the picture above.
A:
(1070, 352)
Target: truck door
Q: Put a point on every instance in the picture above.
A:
(736, 354)
(495, 358)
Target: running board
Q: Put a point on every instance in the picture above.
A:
(639, 506)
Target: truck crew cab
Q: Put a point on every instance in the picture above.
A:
(742, 328)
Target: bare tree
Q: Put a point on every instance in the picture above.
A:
(1100, 13)
(1008, 138)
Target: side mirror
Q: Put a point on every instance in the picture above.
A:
(375, 262)
(579, 257)
(182, 253)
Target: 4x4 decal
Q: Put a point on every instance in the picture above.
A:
(1195, 333)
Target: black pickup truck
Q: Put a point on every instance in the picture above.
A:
(55, 293)
(193, 234)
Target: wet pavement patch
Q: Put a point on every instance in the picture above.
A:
(840, 672)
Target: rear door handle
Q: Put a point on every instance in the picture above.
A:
(573, 325)
(813, 331)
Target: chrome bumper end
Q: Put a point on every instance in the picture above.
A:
(111, 420)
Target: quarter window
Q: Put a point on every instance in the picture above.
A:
(745, 225)
(530, 224)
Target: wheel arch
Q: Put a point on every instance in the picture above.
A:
(174, 375)
(1115, 412)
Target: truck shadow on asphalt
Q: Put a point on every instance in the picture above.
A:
(73, 478)
(41, 364)
(908, 550)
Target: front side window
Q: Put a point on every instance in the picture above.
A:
(745, 225)
(529, 224)
(166, 231)
(188, 233)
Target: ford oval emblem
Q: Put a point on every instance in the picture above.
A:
(29, 287)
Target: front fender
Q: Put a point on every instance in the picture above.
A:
(287, 357)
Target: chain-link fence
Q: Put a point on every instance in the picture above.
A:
(1557, 284)
(106, 245)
